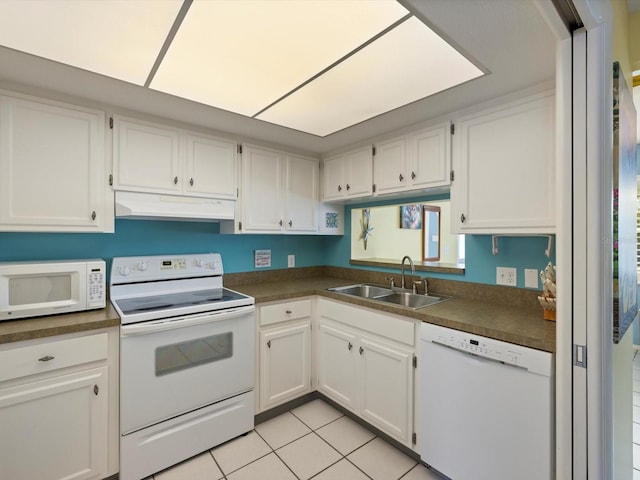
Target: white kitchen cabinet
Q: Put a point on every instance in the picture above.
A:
(349, 175)
(365, 363)
(284, 351)
(54, 409)
(504, 164)
(53, 168)
(415, 161)
(155, 158)
(279, 192)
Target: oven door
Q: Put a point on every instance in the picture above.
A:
(172, 366)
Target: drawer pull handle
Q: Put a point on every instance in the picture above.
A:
(46, 358)
(288, 312)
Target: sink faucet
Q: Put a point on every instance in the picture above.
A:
(413, 269)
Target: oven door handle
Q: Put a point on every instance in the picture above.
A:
(165, 324)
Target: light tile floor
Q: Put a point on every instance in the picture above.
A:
(311, 441)
(636, 415)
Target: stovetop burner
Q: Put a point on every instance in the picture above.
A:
(130, 306)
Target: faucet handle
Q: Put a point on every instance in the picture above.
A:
(391, 280)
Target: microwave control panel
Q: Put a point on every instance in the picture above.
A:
(96, 281)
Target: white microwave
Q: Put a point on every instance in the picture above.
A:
(33, 289)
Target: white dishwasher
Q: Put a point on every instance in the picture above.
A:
(485, 407)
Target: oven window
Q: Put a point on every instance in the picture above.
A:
(180, 356)
(50, 288)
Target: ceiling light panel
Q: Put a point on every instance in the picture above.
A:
(242, 56)
(408, 63)
(117, 38)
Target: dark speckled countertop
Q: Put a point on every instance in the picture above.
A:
(514, 324)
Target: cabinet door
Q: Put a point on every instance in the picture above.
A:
(52, 168)
(301, 192)
(359, 172)
(210, 167)
(55, 428)
(389, 166)
(505, 170)
(333, 178)
(429, 157)
(146, 157)
(285, 364)
(386, 373)
(336, 365)
(261, 189)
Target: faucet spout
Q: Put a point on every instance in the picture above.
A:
(413, 268)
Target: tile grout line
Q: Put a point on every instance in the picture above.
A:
(273, 450)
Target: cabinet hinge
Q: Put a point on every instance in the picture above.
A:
(237, 193)
(111, 123)
(452, 175)
(453, 129)
(580, 355)
(240, 226)
(414, 438)
(240, 149)
(415, 362)
(373, 151)
(373, 187)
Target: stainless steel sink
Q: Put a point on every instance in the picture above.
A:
(390, 295)
(412, 300)
(363, 290)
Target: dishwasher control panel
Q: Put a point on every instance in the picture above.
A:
(496, 350)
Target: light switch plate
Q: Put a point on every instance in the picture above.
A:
(291, 261)
(531, 278)
(507, 276)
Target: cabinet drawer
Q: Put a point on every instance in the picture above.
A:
(49, 356)
(282, 312)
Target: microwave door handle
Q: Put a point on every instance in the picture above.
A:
(182, 322)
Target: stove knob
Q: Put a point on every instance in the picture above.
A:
(214, 265)
(142, 266)
(199, 263)
(124, 271)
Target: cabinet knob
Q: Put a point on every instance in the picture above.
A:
(400, 177)
(46, 358)
(280, 222)
(96, 389)
(462, 217)
(350, 346)
(339, 188)
(288, 312)
(175, 180)
(361, 350)
(291, 223)
(191, 182)
(348, 187)
(269, 343)
(93, 215)
(413, 175)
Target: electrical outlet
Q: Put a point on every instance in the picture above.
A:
(507, 276)
(291, 261)
(531, 278)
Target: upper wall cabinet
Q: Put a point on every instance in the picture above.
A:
(504, 165)
(416, 161)
(349, 175)
(53, 168)
(279, 192)
(155, 158)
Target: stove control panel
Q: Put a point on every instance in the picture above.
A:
(165, 267)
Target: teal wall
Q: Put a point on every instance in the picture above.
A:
(144, 237)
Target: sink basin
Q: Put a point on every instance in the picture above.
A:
(363, 290)
(411, 300)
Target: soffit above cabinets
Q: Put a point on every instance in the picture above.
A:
(313, 66)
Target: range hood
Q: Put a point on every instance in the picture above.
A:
(152, 206)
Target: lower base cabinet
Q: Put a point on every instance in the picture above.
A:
(373, 377)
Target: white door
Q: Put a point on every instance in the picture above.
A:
(55, 429)
(386, 374)
(146, 157)
(429, 154)
(333, 173)
(359, 172)
(337, 357)
(52, 167)
(210, 167)
(390, 166)
(261, 189)
(301, 194)
(285, 366)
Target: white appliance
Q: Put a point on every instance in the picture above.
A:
(32, 289)
(186, 359)
(485, 406)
